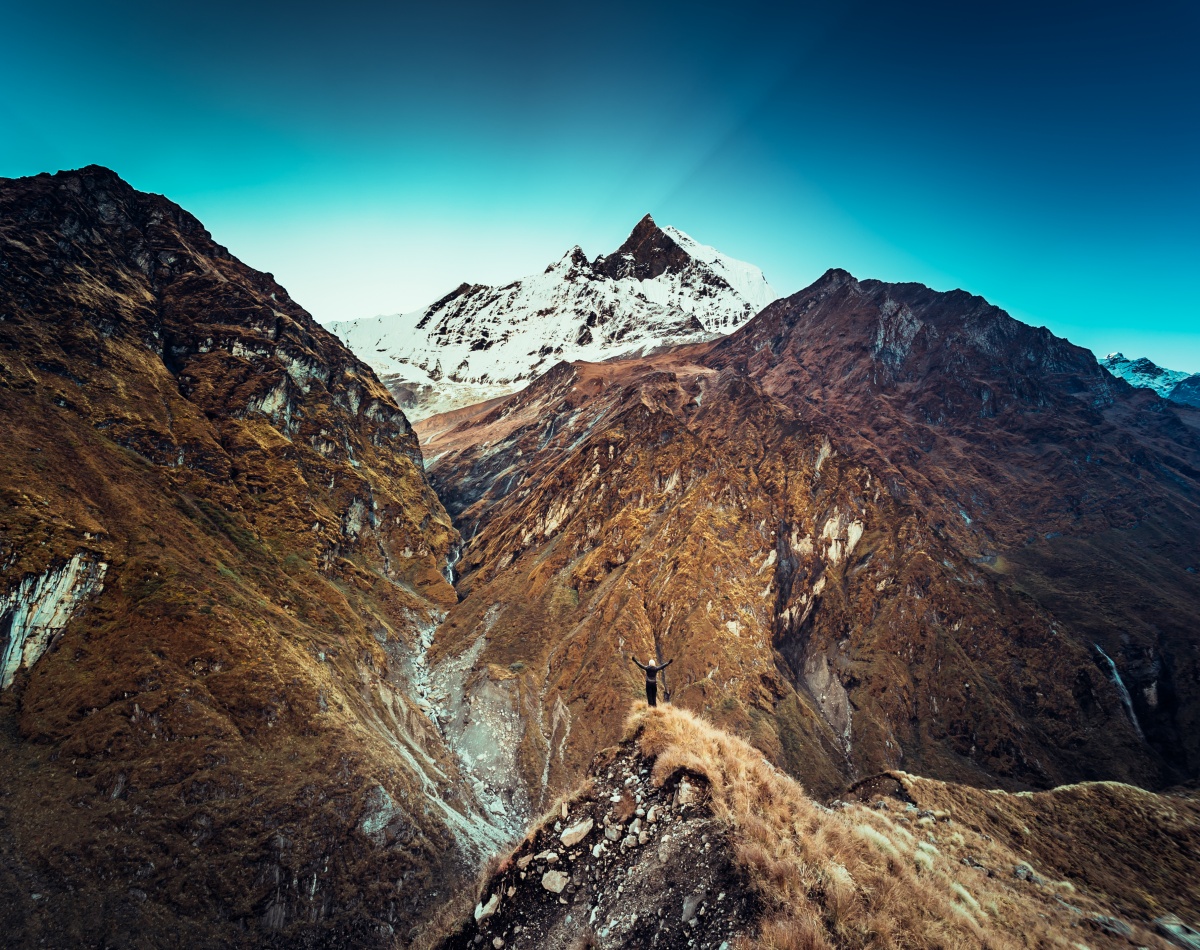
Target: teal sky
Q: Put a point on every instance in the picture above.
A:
(371, 156)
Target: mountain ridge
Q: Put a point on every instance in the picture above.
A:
(821, 515)
(1180, 387)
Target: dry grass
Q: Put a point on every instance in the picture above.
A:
(849, 878)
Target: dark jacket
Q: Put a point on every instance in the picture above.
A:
(652, 671)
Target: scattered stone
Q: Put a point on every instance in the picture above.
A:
(686, 793)
(564, 811)
(597, 849)
(555, 881)
(613, 832)
(497, 942)
(691, 905)
(511, 891)
(629, 841)
(643, 837)
(635, 826)
(524, 862)
(550, 857)
(483, 911)
(1023, 872)
(652, 814)
(577, 832)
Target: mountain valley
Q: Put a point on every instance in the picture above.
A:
(290, 655)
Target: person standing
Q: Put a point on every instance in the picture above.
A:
(652, 672)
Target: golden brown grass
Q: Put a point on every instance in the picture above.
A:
(855, 877)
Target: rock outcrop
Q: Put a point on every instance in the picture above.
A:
(222, 564)
(34, 613)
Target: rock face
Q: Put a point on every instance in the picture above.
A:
(38, 609)
(1145, 374)
(659, 288)
(878, 526)
(222, 564)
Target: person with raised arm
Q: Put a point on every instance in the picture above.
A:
(652, 672)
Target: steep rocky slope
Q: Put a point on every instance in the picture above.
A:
(876, 527)
(660, 287)
(1171, 384)
(221, 564)
(682, 836)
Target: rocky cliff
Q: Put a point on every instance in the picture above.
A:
(877, 527)
(222, 564)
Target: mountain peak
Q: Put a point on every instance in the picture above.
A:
(1144, 373)
(835, 277)
(574, 258)
(648, 252)
(660, 288)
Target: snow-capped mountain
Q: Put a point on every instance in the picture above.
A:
(1169, 383)
(659, 288)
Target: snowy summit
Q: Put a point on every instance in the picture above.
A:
(1183, 388)
(660, 288)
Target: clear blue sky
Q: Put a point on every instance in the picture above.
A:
(372, 156)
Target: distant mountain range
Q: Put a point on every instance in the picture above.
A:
(659, 288)
(1183, 388)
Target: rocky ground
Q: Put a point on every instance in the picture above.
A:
(622, 864)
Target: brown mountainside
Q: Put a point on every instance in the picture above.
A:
(877, 527)
(220, 556)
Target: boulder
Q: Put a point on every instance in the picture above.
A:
(576, 832)
(483, 911)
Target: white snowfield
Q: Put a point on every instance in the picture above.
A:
(479, 342)
(1143, 373)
